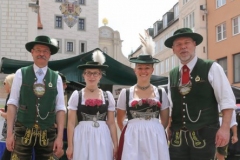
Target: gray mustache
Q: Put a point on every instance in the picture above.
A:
(41, 57)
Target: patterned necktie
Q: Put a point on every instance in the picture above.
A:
(185, 74)
(40, 72)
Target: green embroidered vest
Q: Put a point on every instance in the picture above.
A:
(28, 101)
(199, 107)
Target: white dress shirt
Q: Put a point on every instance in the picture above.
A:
(218, 80)
(17, 83)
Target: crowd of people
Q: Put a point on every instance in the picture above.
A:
(193, 118)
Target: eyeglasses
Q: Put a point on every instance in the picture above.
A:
(186, 43)
(89, 74)
(38, 51)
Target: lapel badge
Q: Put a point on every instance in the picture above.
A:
(49, 84)
(197, 79)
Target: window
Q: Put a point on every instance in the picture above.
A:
(165, 21)
(220, 3)
(189, 21)
(70, 46)
(176, 11)
(185, 1)
(161, 67)
(82, 2)
(82, 47)
(161, 44)
(236, 25)
(223, 63)
(155, 27)
(81, 24)
(172, 62)
(59, 41)
(236, 66)
(167, 65)
(157, 69)
(58, 22)
(221, 32)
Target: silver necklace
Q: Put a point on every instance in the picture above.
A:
(143, 88)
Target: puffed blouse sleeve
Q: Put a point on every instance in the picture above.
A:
(112, 103)
(121, 102)
(73, 101)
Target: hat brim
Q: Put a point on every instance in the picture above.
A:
(136, 60)
(53, 49)
(91, 66)
(195, 36)
(66, 82)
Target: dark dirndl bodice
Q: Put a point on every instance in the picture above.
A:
(86, 113)
(144, 111)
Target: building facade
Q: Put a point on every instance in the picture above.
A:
(80, 38)
(21, 21)
(185, 13)
(224, 36)
(111, 43)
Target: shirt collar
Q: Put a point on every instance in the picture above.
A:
(44, 69)
(190, 64)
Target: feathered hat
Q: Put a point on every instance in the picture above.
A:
(147, 48)
(97, 63)
(44, 40)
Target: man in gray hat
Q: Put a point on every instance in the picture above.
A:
(37, 100)
(196, 87)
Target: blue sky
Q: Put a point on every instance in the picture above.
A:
(131, 17)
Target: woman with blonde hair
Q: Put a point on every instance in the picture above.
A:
(144, 105)
(3, 112)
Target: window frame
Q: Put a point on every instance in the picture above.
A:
(80, 47)
(84, 25)
(222, 25)
(238, 25)
(73, 47)
(220, 61)
(189, 20)
(218, 5)
(185, 1)
(55, 22)
(59, 45)
(236, 70)
(84, 2)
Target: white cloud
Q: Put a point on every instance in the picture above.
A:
(131, 17)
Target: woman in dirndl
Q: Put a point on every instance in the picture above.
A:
(146, 107)
(95, 135)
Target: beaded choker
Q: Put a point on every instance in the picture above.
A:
(143, 88)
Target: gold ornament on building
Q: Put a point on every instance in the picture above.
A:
(105, 21)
